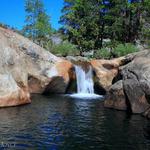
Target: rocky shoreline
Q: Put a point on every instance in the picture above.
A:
(27, 68)
(132, 91)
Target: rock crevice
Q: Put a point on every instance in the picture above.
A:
(136, 83)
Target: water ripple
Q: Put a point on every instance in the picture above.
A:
(62, 123)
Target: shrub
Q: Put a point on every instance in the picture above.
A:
(124, 49)
(119, 50)
(48, 45)
(64, 49)
(4, 25)
(145, 35)
(102, 53)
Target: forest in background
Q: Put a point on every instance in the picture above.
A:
(93, 28)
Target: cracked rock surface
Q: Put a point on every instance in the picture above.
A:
(136, 83)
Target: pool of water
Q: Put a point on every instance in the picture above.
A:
(63, 123)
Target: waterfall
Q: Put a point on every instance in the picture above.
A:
(85, 84)
(84, 80)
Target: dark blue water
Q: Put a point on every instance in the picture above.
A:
(61, 123)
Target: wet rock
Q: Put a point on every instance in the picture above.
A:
(147, 113)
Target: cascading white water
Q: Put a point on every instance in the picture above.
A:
(85, 84)
(84, 80)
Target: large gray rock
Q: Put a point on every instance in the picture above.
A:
(133, 91)
(115, 97)
(136, 82)
(27, 68)
(10, 90)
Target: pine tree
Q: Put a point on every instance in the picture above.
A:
(84, 23)
(37, 25)
(88, 23)
(145, 23)
(29, 28)
(125, 20)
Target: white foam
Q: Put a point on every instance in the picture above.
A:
(85, 84)
(86, 96)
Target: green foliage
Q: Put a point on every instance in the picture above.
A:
(145, 30)
(124, 49)
(37, 25)
(4, 26)
(111, 44)
(145, 35)
(117, 51)
(102, 53)
(64, 49)
(82, 23)
(87, 23)
(9, 27)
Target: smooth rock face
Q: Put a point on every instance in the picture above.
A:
(24, 66)
(10, 93)
(115, 97)
(60, 77)
(106, 71)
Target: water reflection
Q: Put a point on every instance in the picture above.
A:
(72, 124)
